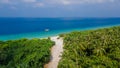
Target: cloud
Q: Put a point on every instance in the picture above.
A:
(39, 4)
(29, 1)
(70, 2)
(5, 1)
(66, 2)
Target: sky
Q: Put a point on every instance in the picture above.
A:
(59, 8)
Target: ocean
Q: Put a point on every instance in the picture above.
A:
(17, 28)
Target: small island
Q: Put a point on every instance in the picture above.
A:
(82, 49)
(59, 33)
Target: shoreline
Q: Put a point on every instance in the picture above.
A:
(47, 34)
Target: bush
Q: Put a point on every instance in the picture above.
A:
(92, 49)
(25, 53)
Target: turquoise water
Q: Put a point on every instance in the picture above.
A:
(12, 29)
(45, 34)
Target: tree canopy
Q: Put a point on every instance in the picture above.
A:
(25, 53)
(92, 49)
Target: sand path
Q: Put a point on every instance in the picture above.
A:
(56, 51)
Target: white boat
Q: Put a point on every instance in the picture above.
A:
(46, 30)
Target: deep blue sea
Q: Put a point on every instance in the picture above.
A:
(16, 28)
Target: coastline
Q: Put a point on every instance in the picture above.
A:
(48, 34)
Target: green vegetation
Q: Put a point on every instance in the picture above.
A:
(25, 53)
(92, 49)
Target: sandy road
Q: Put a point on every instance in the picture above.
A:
(56, 51)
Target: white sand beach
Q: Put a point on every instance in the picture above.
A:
(56, 51)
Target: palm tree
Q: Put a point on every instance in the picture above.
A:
(99, 51)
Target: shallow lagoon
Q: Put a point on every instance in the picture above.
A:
(16, 28)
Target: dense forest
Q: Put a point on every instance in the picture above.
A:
(25, 53)
(92, 49)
